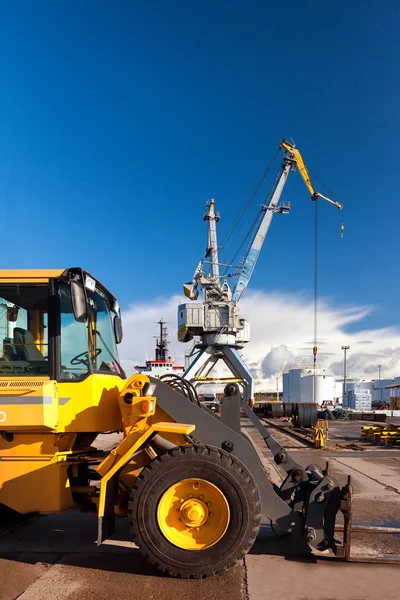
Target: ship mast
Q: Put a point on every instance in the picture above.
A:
(162, 341)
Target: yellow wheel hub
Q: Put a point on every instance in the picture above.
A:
(193, 514)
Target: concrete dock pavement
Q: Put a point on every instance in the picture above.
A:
(55, 558)
(277, 577)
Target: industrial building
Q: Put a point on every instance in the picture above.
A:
(306, 384)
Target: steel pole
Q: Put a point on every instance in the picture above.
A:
(379, 377)
(345, 348)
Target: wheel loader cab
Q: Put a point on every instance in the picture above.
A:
(76, 348)
(59, 330)
(60, 380)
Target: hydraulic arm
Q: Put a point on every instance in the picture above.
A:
(295, 155)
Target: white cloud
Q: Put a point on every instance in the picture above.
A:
(276, 361)
(281, 336)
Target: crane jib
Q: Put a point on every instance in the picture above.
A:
(259, 237)
(245, 274)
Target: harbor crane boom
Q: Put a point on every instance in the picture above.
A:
(292, 159)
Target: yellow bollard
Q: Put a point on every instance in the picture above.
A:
(319, 440)
(325, 427)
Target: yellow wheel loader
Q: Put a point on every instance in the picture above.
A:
(188, 480)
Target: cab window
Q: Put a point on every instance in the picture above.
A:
(23, 330)
(90, 346)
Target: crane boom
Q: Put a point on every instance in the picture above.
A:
(259, 237)
(291, 159)
(295, 155)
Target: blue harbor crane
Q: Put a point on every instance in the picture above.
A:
(214, 323)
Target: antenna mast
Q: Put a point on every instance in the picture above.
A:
(162, 341)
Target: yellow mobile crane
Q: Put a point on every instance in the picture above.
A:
(294, 154)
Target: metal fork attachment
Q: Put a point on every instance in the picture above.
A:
(309, 492)
(307, 501)
(346, 507)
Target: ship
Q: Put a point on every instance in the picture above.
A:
(163, 364)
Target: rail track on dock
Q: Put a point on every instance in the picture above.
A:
(287, 432)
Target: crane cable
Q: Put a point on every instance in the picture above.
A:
(315, 349)
(331, 195)
(250, 199)
(342, 224)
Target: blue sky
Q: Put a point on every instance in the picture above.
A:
(119, 120)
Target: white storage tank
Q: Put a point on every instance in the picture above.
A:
(285, 383)
(338, 391)
(317, 388)
(294, 383)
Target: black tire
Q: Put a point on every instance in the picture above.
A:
(230, 476)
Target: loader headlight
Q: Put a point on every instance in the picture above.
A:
(147, 407)
(149, 389)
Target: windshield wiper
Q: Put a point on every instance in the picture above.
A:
(122, 372)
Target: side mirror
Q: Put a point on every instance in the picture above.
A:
(117, 323)
(79, 302)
